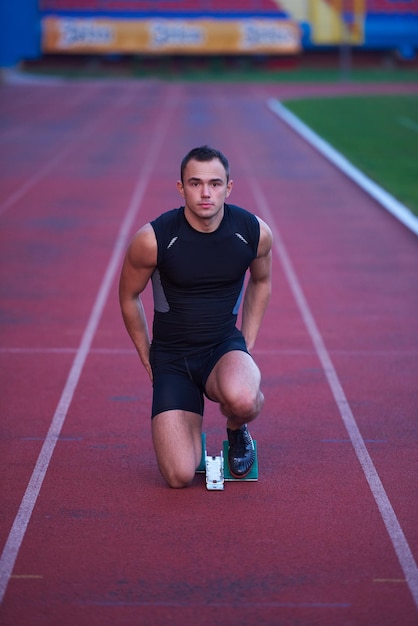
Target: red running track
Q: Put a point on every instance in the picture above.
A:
(90, 533)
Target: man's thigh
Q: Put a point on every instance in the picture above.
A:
(234, 374)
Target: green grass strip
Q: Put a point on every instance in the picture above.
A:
(378, 134)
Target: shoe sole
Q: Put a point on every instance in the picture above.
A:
(238, 476)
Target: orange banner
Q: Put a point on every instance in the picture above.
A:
(170, 36)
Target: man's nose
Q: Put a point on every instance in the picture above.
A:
(205, 191)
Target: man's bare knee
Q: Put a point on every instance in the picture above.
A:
(178, 473)
(177, 443)
(177, 478)
(244, 407)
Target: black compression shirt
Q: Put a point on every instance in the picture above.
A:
(199, 278)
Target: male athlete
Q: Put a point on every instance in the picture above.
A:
(196, 257)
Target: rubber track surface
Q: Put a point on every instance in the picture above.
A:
(91, 534)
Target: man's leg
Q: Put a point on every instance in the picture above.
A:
(177, 438)
(235, 383)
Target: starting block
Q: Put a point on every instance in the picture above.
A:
(217, 471)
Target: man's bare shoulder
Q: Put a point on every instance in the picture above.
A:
(266, 238)
(142, 250)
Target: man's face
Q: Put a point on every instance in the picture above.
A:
(204, 189)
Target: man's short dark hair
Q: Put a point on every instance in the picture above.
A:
(204, 153)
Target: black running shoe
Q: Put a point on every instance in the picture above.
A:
(241, 453)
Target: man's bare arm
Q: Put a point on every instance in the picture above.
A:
(138, 266)
(257, 294)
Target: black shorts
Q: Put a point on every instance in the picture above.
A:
(179, 382)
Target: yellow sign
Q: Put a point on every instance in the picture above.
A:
(336, 22)
(170, 36)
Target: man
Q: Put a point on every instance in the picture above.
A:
(197, 257)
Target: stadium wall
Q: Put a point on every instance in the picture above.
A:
(32, 28)
(20, 31)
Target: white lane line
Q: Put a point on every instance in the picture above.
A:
(43, 171)
(396, 534)
(90, 128)
(396, 208)
(34, 101)
(408, 123)
(17, 533)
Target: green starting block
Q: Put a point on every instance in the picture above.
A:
(217, 471)
(252, 474)
(202, 466)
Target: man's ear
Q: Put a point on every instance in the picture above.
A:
(229, 187)
(180, 188)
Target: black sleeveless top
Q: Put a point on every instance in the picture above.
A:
(198, 281)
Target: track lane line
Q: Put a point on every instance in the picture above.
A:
(90, 128)
(393, 527)
(385, 199)
(408, 123)
(33, 112)
(18, 530)
(19, 193)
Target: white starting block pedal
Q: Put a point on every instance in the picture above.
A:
(217, 472)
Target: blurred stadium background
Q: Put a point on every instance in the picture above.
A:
(274, 33)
